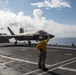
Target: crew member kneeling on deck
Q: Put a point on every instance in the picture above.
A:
(41, 47)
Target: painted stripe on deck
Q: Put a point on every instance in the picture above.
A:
(68, 63)
(61, 65)
(30, 62)
(68, 69)
(50, 66)
(37, 63)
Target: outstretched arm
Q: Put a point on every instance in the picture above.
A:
(47, 39)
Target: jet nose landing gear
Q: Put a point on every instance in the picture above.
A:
(29, 43)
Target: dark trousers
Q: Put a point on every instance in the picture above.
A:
(42, 57)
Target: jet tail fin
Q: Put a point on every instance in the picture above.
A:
(10, 31)
(21, 30)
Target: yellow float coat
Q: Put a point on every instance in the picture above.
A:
(42, 44)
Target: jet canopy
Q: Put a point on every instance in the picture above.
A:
(42, 32)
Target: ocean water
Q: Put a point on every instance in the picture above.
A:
(63, 41)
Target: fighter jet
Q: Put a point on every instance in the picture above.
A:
(27, 36)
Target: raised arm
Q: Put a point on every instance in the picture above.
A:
(47, 39)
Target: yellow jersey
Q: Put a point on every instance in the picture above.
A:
(42, 44)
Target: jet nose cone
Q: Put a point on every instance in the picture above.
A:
(51, 36)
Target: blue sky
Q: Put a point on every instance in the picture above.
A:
(59, 15)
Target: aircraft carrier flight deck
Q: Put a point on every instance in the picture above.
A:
(23, 60)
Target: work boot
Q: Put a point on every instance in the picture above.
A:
(45, 69)
(40, 67)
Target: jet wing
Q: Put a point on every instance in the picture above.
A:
(17, 37)
(7, 36)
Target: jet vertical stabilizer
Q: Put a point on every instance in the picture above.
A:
(10, 31)
(21, 30)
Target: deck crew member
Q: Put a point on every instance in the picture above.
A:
(41, 47)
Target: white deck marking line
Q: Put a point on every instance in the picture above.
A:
(69, 54)
(8, 62)
(60, 66)
(68, 69)
(18, 59)
(68, 63)
(46, 71)
(63, 62)
(51, 66)
(35, 62)
(31, 72)
(22, 60)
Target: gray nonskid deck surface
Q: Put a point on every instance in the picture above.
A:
(22, 60)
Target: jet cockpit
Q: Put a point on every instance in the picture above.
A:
(42, 32)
